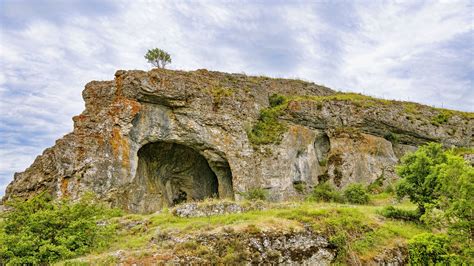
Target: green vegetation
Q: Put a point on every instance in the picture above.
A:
(419, 180)
(158, 57)
(269, 129)
(218, 94)
(461, 151)
(356, 194)
(325, 192)
(276, 100)
(437, 227)
(392, 137)
(255, 194)
(442, 185)
(400, 214)
(442, 117)
(41, 231)
(430, 249)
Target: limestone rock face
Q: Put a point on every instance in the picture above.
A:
(147, 140)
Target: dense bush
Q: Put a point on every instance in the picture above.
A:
(431, 249)
(357, 194)
(394, 213)
(41, 231)
(276, 99)
(255, 194)
(327, 193)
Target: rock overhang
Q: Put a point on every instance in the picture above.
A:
(327, 137)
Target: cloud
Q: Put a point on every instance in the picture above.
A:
(419, 51)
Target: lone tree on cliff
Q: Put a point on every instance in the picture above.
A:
(158, 57)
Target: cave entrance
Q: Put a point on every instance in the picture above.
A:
(173, 173)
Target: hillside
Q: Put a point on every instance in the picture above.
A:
(198, 167)
(294, 232)
(237, 132)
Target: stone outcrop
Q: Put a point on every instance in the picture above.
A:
(148, 140)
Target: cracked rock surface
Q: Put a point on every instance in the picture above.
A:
(148, 140)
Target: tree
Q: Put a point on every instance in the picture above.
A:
(158, 57)
(419, 179)
(456, 200)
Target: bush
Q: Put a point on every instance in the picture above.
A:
(389, 189)
(276, 99)
(42, 231)
(430, 249)
(268, 129)
(357, 194)
(255, 194)
(392, 137)
(399, 214)
(327, 193)
(441, 118)
(376, 186)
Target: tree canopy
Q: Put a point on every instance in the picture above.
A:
(158, 58)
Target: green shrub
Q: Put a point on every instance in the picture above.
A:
(268, 129)
(392, 137)
(42, 231)
(340, 242)
(300, 187)
(441, 118)
(431, 249)
(376, 186)
(357, 194)
(389, 189)
(399, 214)
(327, 193)
(255, 194)
(276, 99)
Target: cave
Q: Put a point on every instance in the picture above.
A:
(172, 173)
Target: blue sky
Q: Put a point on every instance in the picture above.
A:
(420, 51)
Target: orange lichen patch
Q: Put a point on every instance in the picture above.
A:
(154, 80)
(120, 147)
(294, 106)
(134, 106)
(301, 135)
(372, 145)
(80, 117)
(64, 185)
(80, 153)
(118, 84)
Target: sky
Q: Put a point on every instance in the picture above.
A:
(419, 51)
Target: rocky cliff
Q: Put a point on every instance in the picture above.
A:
(148, 140)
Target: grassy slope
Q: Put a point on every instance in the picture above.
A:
(365, 232)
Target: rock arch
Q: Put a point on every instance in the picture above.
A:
(170, 173)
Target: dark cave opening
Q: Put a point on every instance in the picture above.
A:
(172, 173)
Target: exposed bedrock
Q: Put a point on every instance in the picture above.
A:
(152, 139)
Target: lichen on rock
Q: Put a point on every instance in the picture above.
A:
(195, 127)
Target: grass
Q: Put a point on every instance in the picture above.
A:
(269, 128)
(359, 229)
